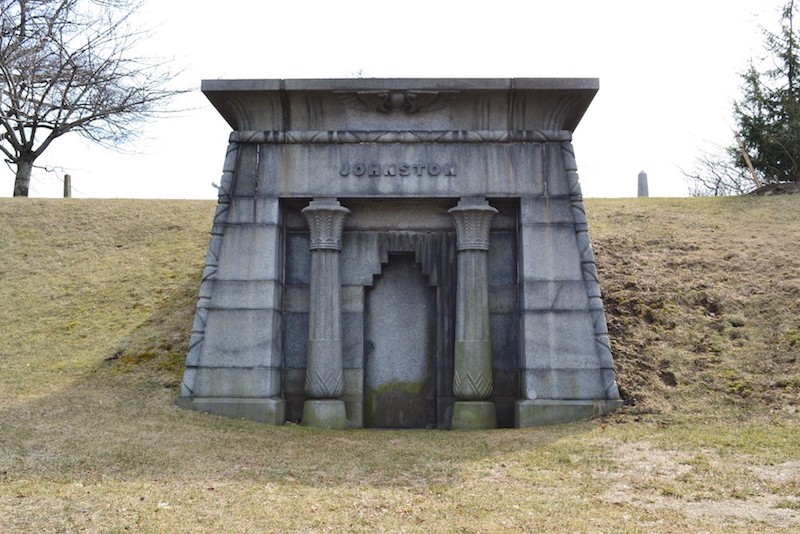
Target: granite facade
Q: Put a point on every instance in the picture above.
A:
(398, 156)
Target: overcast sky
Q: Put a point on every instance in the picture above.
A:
(668, 72)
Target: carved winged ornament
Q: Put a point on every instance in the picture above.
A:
(389, 101)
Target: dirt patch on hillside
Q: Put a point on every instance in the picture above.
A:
(702, 300)
(791, 188)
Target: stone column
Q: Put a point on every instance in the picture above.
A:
(472, 380)
(324, 372)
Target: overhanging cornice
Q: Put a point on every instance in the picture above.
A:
(403, 104)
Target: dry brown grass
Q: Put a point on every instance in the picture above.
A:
(703, 297)
(97, 304)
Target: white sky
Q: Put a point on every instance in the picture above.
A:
(668, 72)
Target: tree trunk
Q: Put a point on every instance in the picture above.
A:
(23, 180)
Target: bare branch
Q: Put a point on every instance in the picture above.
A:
(716, 174)
(66, 66)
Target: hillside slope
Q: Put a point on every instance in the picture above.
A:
(96, 305)
(702, 295)
(703, 300)
(86, 281)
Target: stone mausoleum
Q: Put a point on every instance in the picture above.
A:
(400, 253)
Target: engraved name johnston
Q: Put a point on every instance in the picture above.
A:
(397, 169)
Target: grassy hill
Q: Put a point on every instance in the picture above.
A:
(703, 304)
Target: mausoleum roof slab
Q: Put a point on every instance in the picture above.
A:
(402, 104)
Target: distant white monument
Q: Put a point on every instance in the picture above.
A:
(643, 185)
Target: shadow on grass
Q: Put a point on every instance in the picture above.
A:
(119, 420)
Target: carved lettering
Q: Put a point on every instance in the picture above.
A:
(397, 169)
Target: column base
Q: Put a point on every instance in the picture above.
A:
(271, 410)
(528, 413)
(325, 414)
(473, 415)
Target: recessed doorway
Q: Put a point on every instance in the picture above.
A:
(400, 348)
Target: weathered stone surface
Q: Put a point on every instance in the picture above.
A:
(353, 395)
(550, 252)
(502, 263)
(567, 384)
(555, 295)
(550, 412)
(225, 346)
(353, 340)
(244, 181)
(294, 383)
(306, 170)
(270, 411)
(400, 344)
(559, 340)
(246, 295)
(325, 414)
(474, 415)
(295, 344)
(244, 251)
(548, 210)
(459, 291)
(504, 299)
(361, 260)
(235, 382)
(400, 215)
(324, 364)
(252, 210)
(295, 299)
(472, 380)
(463, 104)
(298, 256)
(504, 330)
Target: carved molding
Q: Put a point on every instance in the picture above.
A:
(324, 383)
(325, 222)
(473, 220)
(387, 101)
(399, 136)
(472, 386)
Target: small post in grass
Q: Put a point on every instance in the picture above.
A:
(67, 186)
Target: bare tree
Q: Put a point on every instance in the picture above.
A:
(716, 175)
(66, 66)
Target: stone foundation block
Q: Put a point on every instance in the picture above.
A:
(474, 415)
(542, 412)
(325, 414)
(270, 411)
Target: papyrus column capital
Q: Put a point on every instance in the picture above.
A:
(325, 218)
(473, 218)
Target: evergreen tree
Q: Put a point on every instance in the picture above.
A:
(768, 114)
